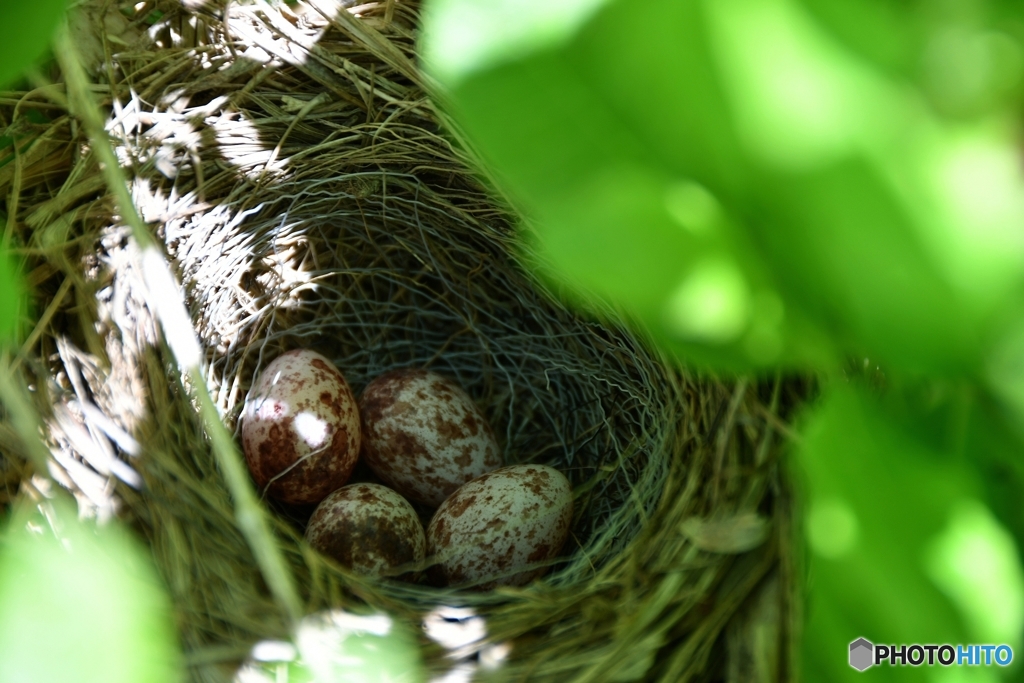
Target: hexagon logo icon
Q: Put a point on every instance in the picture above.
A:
(861, 654)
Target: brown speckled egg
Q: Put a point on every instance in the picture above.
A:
(368, 528)
(300, 428)
(509, 518)
(424, 436)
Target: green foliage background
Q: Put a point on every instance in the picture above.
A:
(827, 186)
(25, 34)
(81, 604)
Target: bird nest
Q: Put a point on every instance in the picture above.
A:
(309, 194)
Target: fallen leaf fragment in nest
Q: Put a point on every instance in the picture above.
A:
(736, 534)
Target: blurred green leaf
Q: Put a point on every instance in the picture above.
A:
(611, 177)
(471, 36)
(975, 562)
(895, 226)
(851, 214)
(85, 607)
(901, 548)
(25, 34)
(339, 647)
(888, 34)
(275, 670)
(965, 56)
(12, 299)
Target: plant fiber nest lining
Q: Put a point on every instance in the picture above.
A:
(308, 197)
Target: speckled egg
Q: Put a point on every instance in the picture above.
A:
(368, 528)
(300, 428)
(509, 518)
(424, 436)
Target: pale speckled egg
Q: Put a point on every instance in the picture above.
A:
(424, 436)
(509, 518)
(300, 428)
(368, 528)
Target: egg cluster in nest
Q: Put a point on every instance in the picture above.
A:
(308, 195)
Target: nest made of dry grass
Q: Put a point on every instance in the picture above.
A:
(301, 181)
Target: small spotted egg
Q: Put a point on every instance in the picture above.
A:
(300, 428)
(424, 436)
(509, 518)
(368, 528)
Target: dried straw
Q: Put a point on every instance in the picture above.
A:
(299, 178)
